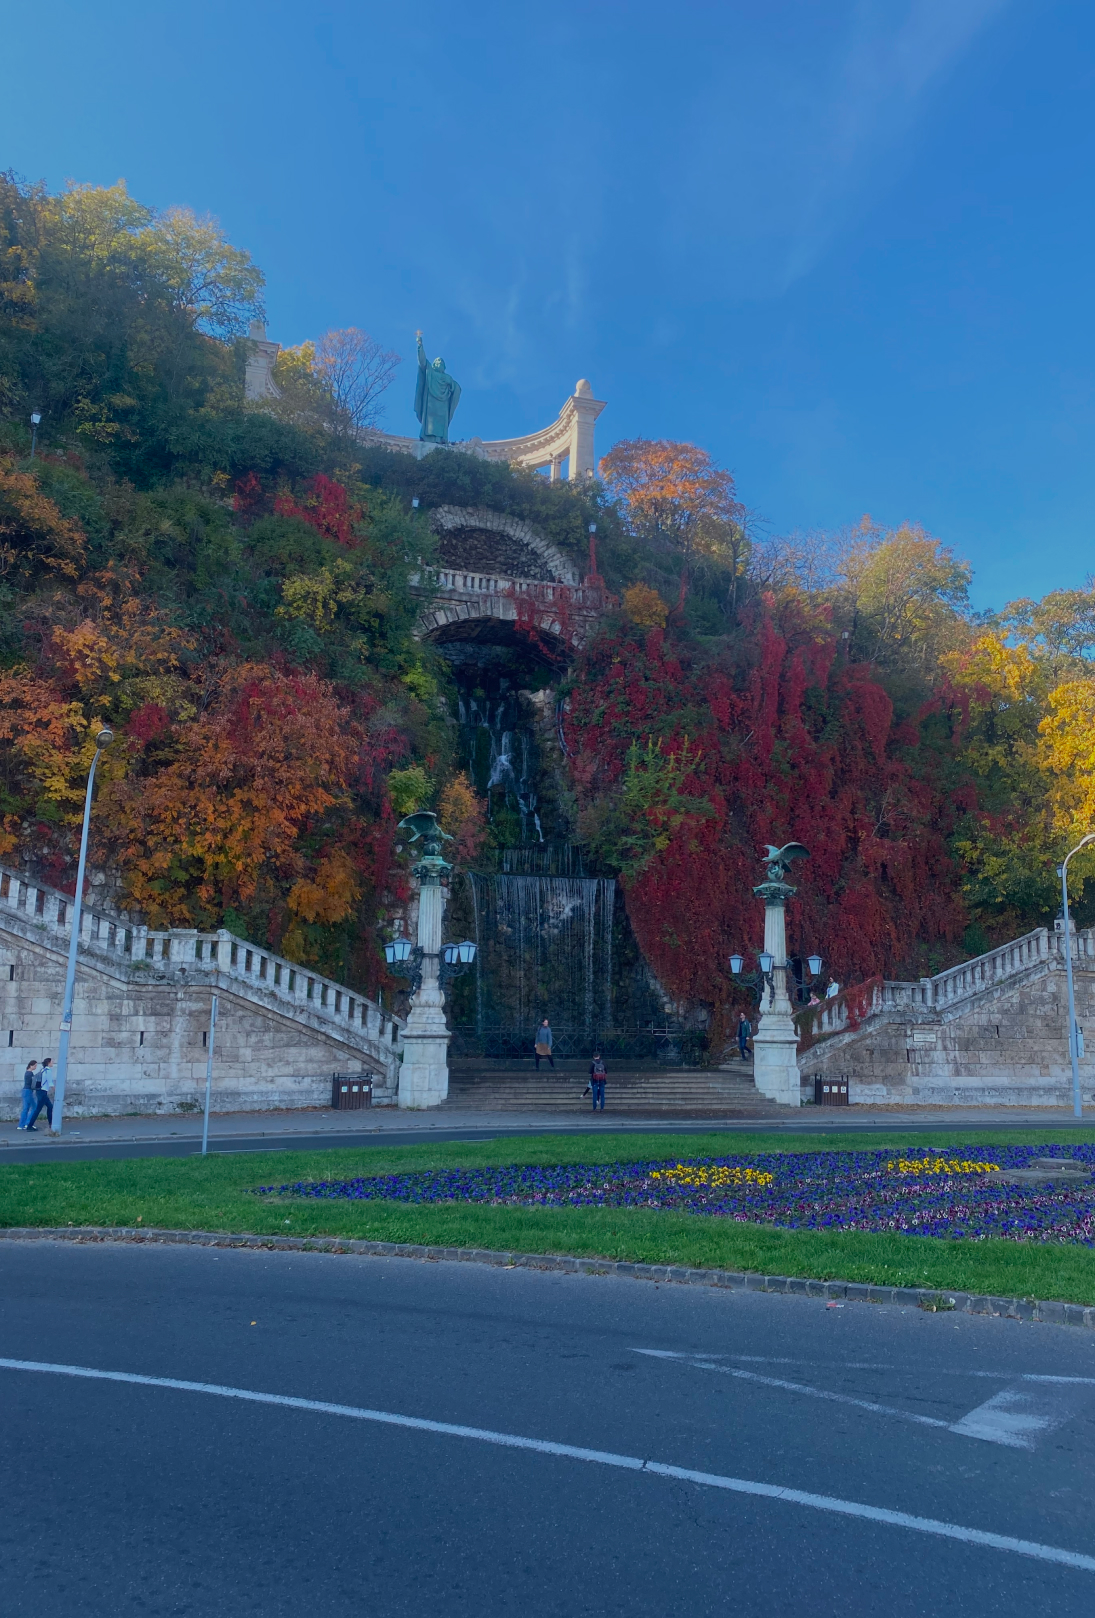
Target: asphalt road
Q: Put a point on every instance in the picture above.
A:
(16, 1149)
(134, 1498)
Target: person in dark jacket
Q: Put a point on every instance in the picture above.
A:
(544, 1042)
(43, 1093)
(29, 1079)
(597, 1081)
(745, 1033)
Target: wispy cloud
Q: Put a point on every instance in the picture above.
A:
(793, 141)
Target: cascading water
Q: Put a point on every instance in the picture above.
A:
(551, 939)
(510, 763)
(545, 949)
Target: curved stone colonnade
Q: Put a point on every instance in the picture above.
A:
(569, 439)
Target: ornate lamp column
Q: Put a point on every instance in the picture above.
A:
(775, 1044)
(424, 1075)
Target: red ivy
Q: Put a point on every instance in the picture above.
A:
(786, 741)
(328, 508)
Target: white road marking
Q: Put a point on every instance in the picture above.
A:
(703, 1364)
(628, 1463)
(1015, 1416)
(1019, 1416)
(878, 1365)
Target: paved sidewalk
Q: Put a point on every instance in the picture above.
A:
(322, 1125)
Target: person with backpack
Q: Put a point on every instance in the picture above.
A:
(597, 1081)
(29, 1081)
(43, 1093)
(745, 1034)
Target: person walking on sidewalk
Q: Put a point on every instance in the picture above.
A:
(544, 1042)
(745, 1034)
(43, 1093)
(597, 1081)
(29, 1081)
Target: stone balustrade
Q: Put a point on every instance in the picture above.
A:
(992, 1031)
(181, 952)
(947, 990)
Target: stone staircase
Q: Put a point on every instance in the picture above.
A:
(635, 1090)
(142, 1013)
(992, 1031)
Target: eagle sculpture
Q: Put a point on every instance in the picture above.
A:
(778, 859)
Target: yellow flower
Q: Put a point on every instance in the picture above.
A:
(719, 1174)
(939, 1165)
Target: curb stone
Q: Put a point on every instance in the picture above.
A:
(1051, 1312)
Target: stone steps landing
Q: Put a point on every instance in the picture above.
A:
(652, 1092)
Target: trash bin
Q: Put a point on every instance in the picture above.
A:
(831, 1092)
(350, 1091)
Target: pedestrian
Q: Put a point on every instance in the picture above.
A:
(28, 1095)
(544, 1041)
(597, 1080)
(43, 1093)
(745, 1034)
(833, 989)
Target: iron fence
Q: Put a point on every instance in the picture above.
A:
(675, 1046)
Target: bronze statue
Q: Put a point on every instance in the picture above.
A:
(436, 397)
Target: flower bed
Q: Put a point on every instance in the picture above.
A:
(930, 1193)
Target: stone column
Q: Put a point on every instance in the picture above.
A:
(775, 1044)
(259, 371)
(584, 412)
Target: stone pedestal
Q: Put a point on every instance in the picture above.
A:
(424, 1075)
(775, 1044)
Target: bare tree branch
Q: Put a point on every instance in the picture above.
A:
(356, 371)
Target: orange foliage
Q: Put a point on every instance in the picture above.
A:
(34, 536)
(52, 739)
(461, 813)
(123, 636)
(250, 776)
(331, 894)
(672, 490)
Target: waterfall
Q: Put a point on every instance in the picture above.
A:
(545, 949)
(501, 755)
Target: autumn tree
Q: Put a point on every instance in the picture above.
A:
(1029, 684)
(334, 384)
(36, 539)
(677, 498)
(357, 370)
(221, 825)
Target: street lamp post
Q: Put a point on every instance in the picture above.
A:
(1073, 1029)
(103, 739)
(424, 1074)
(775, 1044)
(35, 418)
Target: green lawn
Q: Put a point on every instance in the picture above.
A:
(216, 1195)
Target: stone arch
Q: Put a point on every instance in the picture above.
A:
(501, 618)
(476, 539)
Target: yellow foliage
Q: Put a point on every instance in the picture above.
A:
(645, 607)
(458, 801)
(316, 597)
(461, 814)
(408, 789)
(1067, 754)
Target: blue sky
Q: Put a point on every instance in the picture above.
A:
(846, 245)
